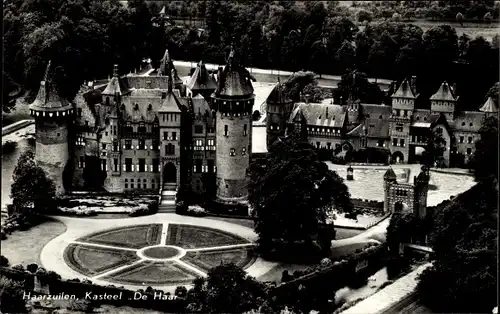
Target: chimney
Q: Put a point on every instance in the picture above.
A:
(413, 83)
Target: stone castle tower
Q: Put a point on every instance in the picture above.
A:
(403, 104)
(233, 100)
(404, 196)
(279, 108)
(52, 114)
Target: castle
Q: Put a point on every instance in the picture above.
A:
(151, 133)
(405, 196)
(400, 129)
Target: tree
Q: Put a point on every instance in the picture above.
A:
(460, 18)
(11, 296)
(291, 191)
(485, 158)
(364, 15)
(227, 289)
(31, 188)
(488, 18)
(436, 146)
(296, 83)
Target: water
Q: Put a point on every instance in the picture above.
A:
(374, 282)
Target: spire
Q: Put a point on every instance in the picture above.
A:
(115, 70)
(169, 79)
(389, 174)
(48, 98)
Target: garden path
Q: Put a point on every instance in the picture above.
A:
(52, 255)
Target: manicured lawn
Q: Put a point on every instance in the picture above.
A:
(190, 237)
(131, 237)
(242, 222)
(207, 260)
(24, 247)
(151, 273)
(93, 260)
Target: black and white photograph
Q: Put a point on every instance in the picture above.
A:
(257, 157)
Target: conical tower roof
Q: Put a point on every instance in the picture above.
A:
(49, 98)
(390, 174)
(167, 66)
(234, 80)
(444, 92)
(117, 85)
(201, 79)
(278, 95)
(170, 103)
(404, 90)
(489, 106)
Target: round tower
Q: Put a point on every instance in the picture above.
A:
(233, 100)
(52, 114)
(389, 179)
(278, 110)
(421, 188)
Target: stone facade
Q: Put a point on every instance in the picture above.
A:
(150, 133)
(401, 129)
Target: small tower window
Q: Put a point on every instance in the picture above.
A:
(463, 123)
(225, 130)
(232, 152)
(136, 106)
(245, 130)
(243, 151)
(107, 101)
(150, 107)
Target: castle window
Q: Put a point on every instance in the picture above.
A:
(107, 101)
(380, 143)
(128, 144)
(114, 129)
(155, 145)
(198, 129)
(469, 140)
(210, 166)
(198, 145)
(225, 130)
(156, 165)
(106, 133)
(439, 131)
(128, 127)
(243, 151)
(329, 145)
(104, 166)
(197, 165)
(405, 113)
(115, 146)
(142, 128)
(106, 121)
(150, 107)
(155, 127)
(163, 117)
(131, 185)
(81, 162)
(174, 136)
(115, 165)
(380, 117)
(210, 130)
(317, 144)
(169, 149)
(402, 142)
(461, 139)
(165, 136)
(136, 106)
(103, 146)
(142, 165)
(80, 141)
(425, 118)
(142, 144)
(463, 123)
(232, 152)
(394, 142)
(470, 124)
(126, 184)
(399, 128)
(469, 151)
(418, 118)
(128, 164)
(245, 130)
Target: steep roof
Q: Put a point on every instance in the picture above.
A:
(489, 106)
(445, 92)
(321, 114)
(390, 174)
(234, 79)
(163, 11)
(200, 105)
(404, 90)
(201, 79)
(278, 95)
(170, 103)
(117, 85)
(166, 66)
(48, 97)
(468, 121)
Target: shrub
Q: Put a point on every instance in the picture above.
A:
(180, 292)
(18, 267)
(180, 207)
(11, 296)
(41, 271)
(256, 115)
(3, 235)
(4, 262)
(81, 306)
(8, 147)
(196, 210)
(143, 210)
(32, 268)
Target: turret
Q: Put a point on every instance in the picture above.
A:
(233, 99)
(279, 107)
(166, 67)
(52, 114)
(389, 179)
(201, 82)
(444, 101)
(421, 187)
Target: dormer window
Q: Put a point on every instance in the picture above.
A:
(417, 118)
(470, 124)
(142, 127)
(380, 117)
(150, 107)
(463, 123)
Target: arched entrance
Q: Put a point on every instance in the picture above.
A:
(169, 173)
(397, 158)
(400, 207)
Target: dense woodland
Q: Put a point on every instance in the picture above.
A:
(84, 38)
